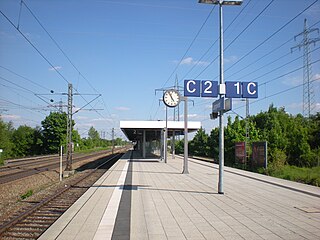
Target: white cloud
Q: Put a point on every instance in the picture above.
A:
(79, 125)
(122, 108)
(81, 118)
(316, 77)
(298, 80)
(230, 59)
(191, 61)
(10, 117)
(100, 120)
(192, 115)
(293, 81)
(295, 106)
(55, 68)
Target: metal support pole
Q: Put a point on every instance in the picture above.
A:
(112, 140)
(173, 145)
(60, 175)
(144, 144)
(166, 137)
(221, 129)
(69, 130)
(185, 159)
(161, 146)
(247, 133)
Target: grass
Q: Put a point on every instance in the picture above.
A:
(97, 149)
(29, 193)
(304, 175)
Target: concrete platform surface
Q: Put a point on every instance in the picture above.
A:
(147, 199)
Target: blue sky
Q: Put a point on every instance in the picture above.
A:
(124, 50)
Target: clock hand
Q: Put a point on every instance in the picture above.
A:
(171, 96)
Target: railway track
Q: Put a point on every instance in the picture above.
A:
(16, 170)
(31, 222)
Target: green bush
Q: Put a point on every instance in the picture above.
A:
(29, 193)
(278, 160)
(304, 175)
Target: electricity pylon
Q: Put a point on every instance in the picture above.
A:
(308, 93)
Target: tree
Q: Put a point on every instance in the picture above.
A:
(6, 145)
(94, 136)
(179, 146)
(199, 144)
(54, 131)
(213, 142)
(24, 141)
(118, 142)
(314, 139)
(76, 139)
(298, 150)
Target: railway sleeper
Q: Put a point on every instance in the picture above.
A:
(51, 211)
(45, 213)
(58, 204)
(32, 225)
(55, 206)
(18, 236)
(65, 204)
(27, 230)
(44, 218)
(44, 223)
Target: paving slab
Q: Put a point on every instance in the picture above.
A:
(157, 201)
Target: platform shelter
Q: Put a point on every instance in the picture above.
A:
(149, 136)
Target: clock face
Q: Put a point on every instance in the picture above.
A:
(171, 98)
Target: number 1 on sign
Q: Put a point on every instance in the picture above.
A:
(237, 85)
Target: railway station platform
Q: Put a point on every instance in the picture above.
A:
(148, 199)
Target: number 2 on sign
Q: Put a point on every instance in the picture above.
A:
(208, 85)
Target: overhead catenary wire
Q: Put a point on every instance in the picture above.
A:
(211, 46)
(252, 21)
(279, 67)
(184, 55)
(206, 52)
(15, 90)
(280, 92)
(267, 54)
(22, 106)
(34, 47)
(270, 96)
(44, 57)
(272, 35)
(25, 89)
(277, 31)
(68, 58)
(57, 45)
(192, 42)
(25, 78)
(275, 78)
(260, 44)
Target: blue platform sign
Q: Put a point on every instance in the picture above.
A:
(200, 88)
(233, 89)
(241, 89)
(192, 88)
(250, 90)
(209, 88)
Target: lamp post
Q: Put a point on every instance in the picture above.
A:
(222, 88)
